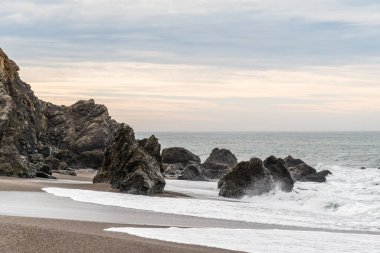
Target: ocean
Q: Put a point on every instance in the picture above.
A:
(340, 215)
(350, 149)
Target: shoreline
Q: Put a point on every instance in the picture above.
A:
(20, 234)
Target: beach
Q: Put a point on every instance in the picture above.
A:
(67, 232)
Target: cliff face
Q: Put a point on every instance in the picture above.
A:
(77, 134)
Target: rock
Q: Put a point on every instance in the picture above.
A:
(63, 166)
(44, 175)
(47, 151)
(215, 170)
(90, 159)
(363, 168)
(36, 158)
(131, 166)
(45, 168)
(53, 162)
(178, 155)
(219, 163)
(172, 171)
(194, 172)
(298, 168)
(280, 173)
(223, 156)
(247, 178)
(28, 125)
(319, 177)
(68, 172)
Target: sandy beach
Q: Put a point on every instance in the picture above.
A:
(68, 233)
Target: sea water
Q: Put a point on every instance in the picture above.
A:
(348, 202)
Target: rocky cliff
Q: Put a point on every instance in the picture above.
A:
(76, 135)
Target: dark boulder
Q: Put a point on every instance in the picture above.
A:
(219, 163)
(319, 177)
(193, 172)
(131, 166)
(53, 162)
(223, 156)
(178, 155)
(215, 170)
(247, 178)
(42, 174)
(298, 168)
(280, 173)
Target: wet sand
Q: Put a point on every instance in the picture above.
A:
(24, 235)
(68, 226)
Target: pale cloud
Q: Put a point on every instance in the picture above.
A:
(140, 92)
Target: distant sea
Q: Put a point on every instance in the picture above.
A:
(349, 149)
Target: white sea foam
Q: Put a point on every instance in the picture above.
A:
(257, 241)
(350, 200)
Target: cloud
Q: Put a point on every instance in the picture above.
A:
(203, 64)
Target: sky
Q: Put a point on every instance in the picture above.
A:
(204, 65)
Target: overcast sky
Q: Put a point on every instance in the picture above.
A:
(204, 65)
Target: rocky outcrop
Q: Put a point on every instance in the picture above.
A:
(219, 163)
(247, 178)
(175, 160)
(193, 172)
(281, 175)
(319, 177)
(300, 171)
(178, 155)
(132, 166)
(77, 134)
(298, 168)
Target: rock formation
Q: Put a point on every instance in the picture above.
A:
(175, 159)
(281, 175)
(300, 171)
(132, 166)
(77, 134)
(219, 163)
(247, 178)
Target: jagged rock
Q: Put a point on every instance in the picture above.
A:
(172, 171)
(90, 159)
(132, 166)
(178, 155)
(28, 125)
(281, 175)
(53, 162)
(319, 177)
(223, 156)
(219, 163)
(247, 178)
(193, 172)
(215, 170)
(298, 168)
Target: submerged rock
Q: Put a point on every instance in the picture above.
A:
(319, 177)
(247, 178)
(132, 166)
